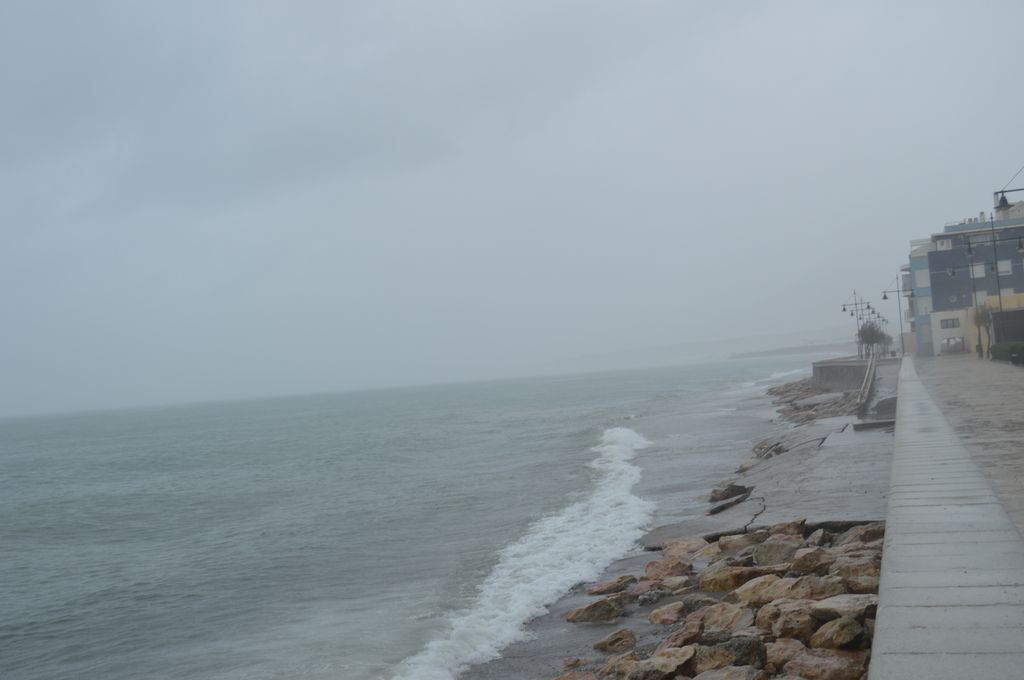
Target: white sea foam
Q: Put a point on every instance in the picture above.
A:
(556, 552)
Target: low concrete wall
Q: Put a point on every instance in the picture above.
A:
(840, 375)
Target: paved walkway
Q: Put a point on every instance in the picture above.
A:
(951, 603)
(984, 402)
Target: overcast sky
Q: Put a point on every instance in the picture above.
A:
(204, 200)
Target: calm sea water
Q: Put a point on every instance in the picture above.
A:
(386, 534)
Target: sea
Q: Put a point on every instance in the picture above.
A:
(398, 534)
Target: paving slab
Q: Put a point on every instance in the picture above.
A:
(951, 598)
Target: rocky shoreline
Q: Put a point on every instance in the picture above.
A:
(795, 599)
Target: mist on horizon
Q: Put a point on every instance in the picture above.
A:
(210, 201)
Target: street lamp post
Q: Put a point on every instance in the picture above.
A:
(899, 309)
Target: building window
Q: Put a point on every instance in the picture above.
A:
(978, 270)
(944, 244)
(949, 323)
(1005, 267)
(980, 297)
(921, 279)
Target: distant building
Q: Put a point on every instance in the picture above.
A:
(971, 263)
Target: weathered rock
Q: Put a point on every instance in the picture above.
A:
(620, 641)
(863, 533)
(676, 583)
(652, 596)
(826, 664)
(819, 537)
(814, 560)
(659, 569)
(645, 585)
(862, 584)
(806, 588)
(615, 586)
(618, 666)
(754, 632)
(599, 611)
(728, 578)
(577, 675)
(856, 564)
(683, 548)
(708, 552)
(733, 673)
(745, 651)
(837, 633)
(728, 490)
(715, 636)
(735, 542)
(723, 615)
(726, 504)
(793, 528)
(695, 601)
(668, 663)
(853, 606)
(574, 662)
(777, 549)
(788, 619)
(782, 650)
(669, 614)
(753, 591)
(690, 633)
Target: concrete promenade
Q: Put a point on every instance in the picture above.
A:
(951, 601)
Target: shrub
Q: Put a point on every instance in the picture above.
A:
(1009, 351)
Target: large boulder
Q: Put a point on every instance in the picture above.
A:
(723, 615)
(729, 578)
(683, 548)
(620, 641)
(728, 490)
(806, 588)
(695, 601)
(852, 606)
(851, 565)
(673, 566)
(737, 542)
(788, 619)
(669, 614)
(862, 584)
(827, 664)
(614, 586)
(667, 663)
(739, 651)
(814, 560)
(777, 549)
(863, 533)
(837, 633)
(782, 650)
(676, 583)
(690, 633)
(618, 666)
(600, 611)
(753, 591)
(793, 528)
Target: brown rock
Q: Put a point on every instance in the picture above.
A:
(837, 633)
(616, 586)
(826, 664)
(695, 601)
(788, 619)
(596, 612)
(859, 564)
(676, 583)
(814, 560)
(794, 528)
(869, 628)
(736, 542)
(782, 650)
(733, 673)
(745, 651)
(574, 662)
(723, 615)
(863, 533)
(683, 548)
(659, 569)
(688, 634)
(618, 666)
(620, 641)
(708, 552)
(862, 584)
(819, 537)
(667, 615)
(853, 606)
(668, 663)
(577, 675)
(777, 549)
(728, 578)
(753, 591)
(728, 503)
(806, 588)
(728, 490)
(645, 585)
